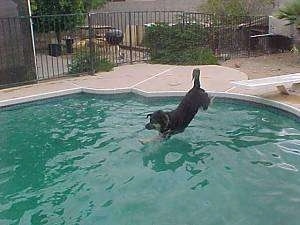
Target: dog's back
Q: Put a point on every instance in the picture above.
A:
(181, 117)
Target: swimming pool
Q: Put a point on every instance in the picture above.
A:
(78, 160)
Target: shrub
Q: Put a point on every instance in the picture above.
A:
(82, 63)
(176, 37)
(197, 56)
(185, 44)
(291, 13)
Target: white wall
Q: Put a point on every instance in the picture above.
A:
(152, 5)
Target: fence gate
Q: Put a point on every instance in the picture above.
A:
(16, 52)
(76, 43)
(62, 46)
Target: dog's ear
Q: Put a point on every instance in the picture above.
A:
(149, 115)
(161, 114)
(164, 119)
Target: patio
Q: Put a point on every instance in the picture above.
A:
(146, 78)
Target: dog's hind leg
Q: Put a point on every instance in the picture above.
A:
(213, 97)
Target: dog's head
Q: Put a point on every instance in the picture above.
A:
(159, 121)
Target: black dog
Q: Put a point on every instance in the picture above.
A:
(175, 121)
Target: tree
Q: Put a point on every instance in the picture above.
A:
(58, 8)
(52, 7)
(291, 13)
(93, 4)
(236, 7)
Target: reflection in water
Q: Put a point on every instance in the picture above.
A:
(245, 137)
(292, 147)
(172, 154)
(78, 161)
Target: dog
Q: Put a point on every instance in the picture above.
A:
(175, 121)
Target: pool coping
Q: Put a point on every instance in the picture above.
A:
(250, 98)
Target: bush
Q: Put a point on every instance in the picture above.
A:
(81, 63)
(176, 37)
(185, 44)
(291, 12)
(200, 56)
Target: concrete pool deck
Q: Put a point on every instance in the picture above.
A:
(148, 78)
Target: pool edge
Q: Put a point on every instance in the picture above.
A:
(15, 101)
(36, 97)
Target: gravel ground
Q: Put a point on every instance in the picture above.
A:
(267, 65)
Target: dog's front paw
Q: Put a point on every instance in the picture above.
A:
(144, 141)
(154, 139)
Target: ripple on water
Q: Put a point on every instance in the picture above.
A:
(290, 146)
(78, 160)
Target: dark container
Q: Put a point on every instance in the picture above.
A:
(54, 50)
(69, 45)
(114, 37)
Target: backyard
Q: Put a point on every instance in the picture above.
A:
(149, 117)
(266, 65)
(77, 159)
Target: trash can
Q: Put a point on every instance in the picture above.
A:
(69, 45)
(54, 50)
(114, 37)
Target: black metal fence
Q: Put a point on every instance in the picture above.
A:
(73, 44)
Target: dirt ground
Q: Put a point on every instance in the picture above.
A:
(267, 65)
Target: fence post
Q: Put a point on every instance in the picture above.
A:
(249, 36)
(184, 18)
(130, 36)
(32, 40)
(91, 45)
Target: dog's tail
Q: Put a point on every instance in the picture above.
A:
(196, 77)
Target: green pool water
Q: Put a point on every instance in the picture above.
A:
(78, 160)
